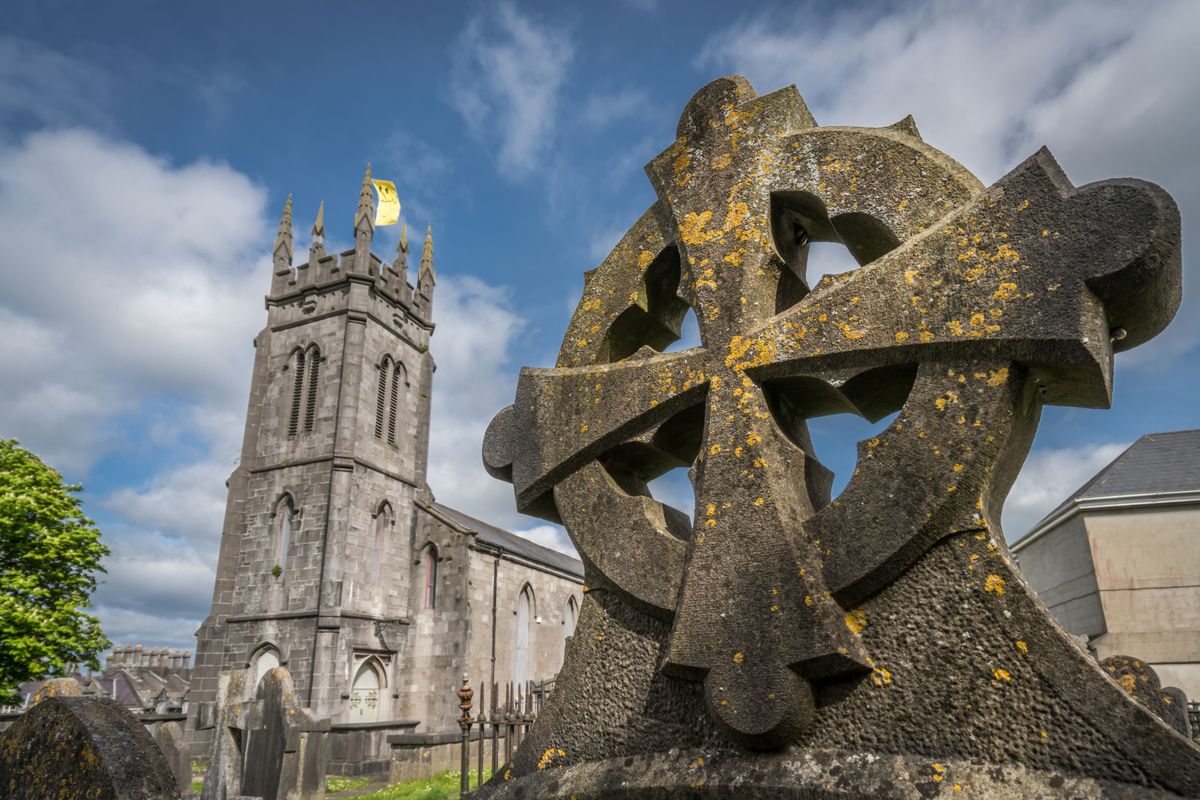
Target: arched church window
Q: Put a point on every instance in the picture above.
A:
(314, 369)
(385, 370)
(365, 692)
(521, 644)
(392, 374)
(306, 371)
(284, 520)
(264, 661)
(570, 617)
(298, 374)
(382, 524)
(429, 566)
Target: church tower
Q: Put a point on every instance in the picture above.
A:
(316, 553)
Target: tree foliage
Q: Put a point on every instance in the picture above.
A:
(49, 556)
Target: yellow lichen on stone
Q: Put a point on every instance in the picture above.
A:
(548, 757)
(644, 259)
(901, 337)
(850, 334)
(939, 772)
(881, 677)
(994, 583)
(1001, 675)
(1004, 291)
(1021, 646)
(691, 229)
(998, 377)
(856, 620)
(739, 657)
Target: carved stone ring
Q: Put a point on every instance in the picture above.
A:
(971, 308)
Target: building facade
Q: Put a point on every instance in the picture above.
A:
(1119, 560)
(335, 562)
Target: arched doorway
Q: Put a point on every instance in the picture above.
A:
(365, 693)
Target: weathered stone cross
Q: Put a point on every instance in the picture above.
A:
(973, 307)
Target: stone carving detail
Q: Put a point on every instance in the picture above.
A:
(1140, 681)
(972, 307)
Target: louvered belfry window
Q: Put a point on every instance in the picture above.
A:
(306, 367)
(387, 403)
(385, 368)
(314, 369)
(297, 392)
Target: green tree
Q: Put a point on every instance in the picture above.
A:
(49, 556)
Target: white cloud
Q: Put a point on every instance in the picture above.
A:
(508, 70)
(125, 276)
(552, 536)
(476, 330)
(132, 291)
(48, 88)
(1050, 476)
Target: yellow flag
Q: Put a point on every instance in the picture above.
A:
(388, 210)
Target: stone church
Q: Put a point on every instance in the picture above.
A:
(335, 560)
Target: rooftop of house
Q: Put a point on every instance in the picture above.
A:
(510, 542)
(1155, 467)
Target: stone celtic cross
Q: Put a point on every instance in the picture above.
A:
(972, 308)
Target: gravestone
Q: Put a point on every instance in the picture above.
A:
(267, 748)
(783, 643)
(82, 748)
(169, 738)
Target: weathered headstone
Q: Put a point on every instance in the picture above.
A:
(269, 747)
(881, 644)
(82, 748)
(169, 738)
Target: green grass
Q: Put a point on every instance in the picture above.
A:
(443, 786)
(335, 783)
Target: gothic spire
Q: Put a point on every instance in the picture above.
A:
(317, 248)
(364, 218)
(401, 262)
(427, 258)
(283, 240)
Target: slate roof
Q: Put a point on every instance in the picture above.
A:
(512, 543)
(1157, 463)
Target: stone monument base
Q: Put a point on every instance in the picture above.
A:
(802, 775)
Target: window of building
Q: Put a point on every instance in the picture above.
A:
(392, 374)
(306, 369)
(429, 566)
(570, 617)
(524, 614)
(263, 662)
(314, 367)
(365, 692)
(383, 523)
(298, 374)
(285, 520)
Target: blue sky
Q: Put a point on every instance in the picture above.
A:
(146, 150)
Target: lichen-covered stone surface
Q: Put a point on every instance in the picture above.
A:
(1141, 682)
(81, 748)
(880, 643)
